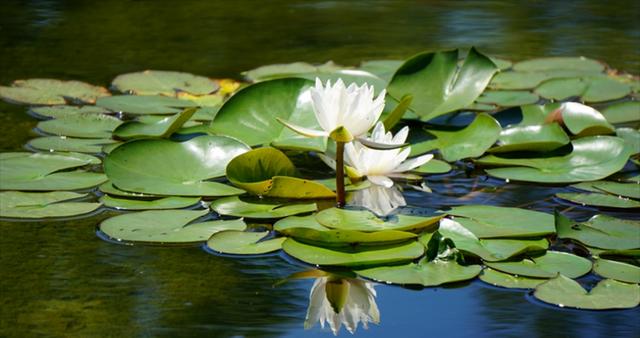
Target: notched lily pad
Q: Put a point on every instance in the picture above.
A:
(50, 91)
(144, 105)
(433, 273)
(546, 266)
(171, 202)
(59, 111)
(17, 204)
(244, 243)
(601, 231)
(617, 270)
(486, 221)
(63, 143)
(160, 129)
(234, 206)
(505, 280)
(81, 125)
(366, 221)
(160, 82)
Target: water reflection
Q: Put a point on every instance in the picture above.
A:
(381, 200)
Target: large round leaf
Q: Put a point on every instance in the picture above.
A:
(164, 167)
(63, 143)
(142, 105)
(546, 266)
(559, 63)
(244, 243)
(250, 115)
(59, 111)
(540, 138)
(592, 158)
(16, 204)
(617, 270)
(81, 125)
(160, 129)
(433, 273)
(364, 220)
(608, 294)
(438, 85)
(234, 206)
(267, 171)
(165, 226)
(516, 80)
(353, 256)
(171, 202)
(50, 91)
(307, 229)
(505, 280)
(159, 82)
(486, 221)
(589, 88)
(601, 231)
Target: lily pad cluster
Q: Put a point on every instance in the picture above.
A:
(183, 159)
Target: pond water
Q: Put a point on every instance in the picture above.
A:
(60, 279)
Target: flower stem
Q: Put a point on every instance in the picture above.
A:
(340, 198)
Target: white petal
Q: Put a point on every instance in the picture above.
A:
(302, 130)
(401, 136)
(381, 180)
(413, 163)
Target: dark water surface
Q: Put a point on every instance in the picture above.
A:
(59, 279)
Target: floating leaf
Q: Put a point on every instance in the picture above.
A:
(436, 83)
(142, 105)
(505, 280)
(486, 221)
(250, 115)
(63, 143)
(364, 220)
(617, 270)
(515, 80)
(244, 243)
(159, 82)
(433, 273)
(471, 141)
(172, 202)
(546, 266)
(307, 229)
(600, 200)
(583, 120)
(622, 112)
(353, 256)
(592, 158)
(620, 189)
(282, 70)
(601, 231)
(165, 226)
(81, 125)
(560, 63)
(540, 138)
(160, 129)
(631, 138)
(508, 98)
(64, 110)
(234, 206)
(108, 188)
(50, 91)
(164, 167)
(589, 88)
(267, 172)
(434, 167)
(16, 204)
(383, 69)
(608, 294)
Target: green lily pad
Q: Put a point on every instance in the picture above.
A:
(592, 158)
(601, 231)
(244, 243)
(17, 204)
(158, 82)
(250, 115)
(366, 221)
(433, 273)
(108, 188)
(81, 125)
(540, 138)
(622, 112)
(617, 270)
(621, 189)
(582, 120)
(600, 200)
(160, 129)
(508, 98)
(50, 91)
(383, 69)
(505, 280)
(434, 167)
(486, 221)
(267, 172)
(59, 111)
(559, 63)
(63, 143)
(438, 85)
(546, 266)
(307, 229)
(488, 249)
(171, 202)
(516, 80)
(353, 256)
(608, 294)
(165, 226)
(472, 141)
(38, 171)
(282, 70)
(143, 105)
(589, 88)
(631, 138)
(164, 167)
(234, 206)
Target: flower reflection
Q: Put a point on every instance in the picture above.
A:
(380, 200)
(342, 301)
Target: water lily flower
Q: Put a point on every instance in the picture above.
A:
(344, 113)
(342, 301)
(378, 199)
(379, 166)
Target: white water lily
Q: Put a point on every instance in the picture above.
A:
(357, 304)
(380, 200)
(344, 113)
